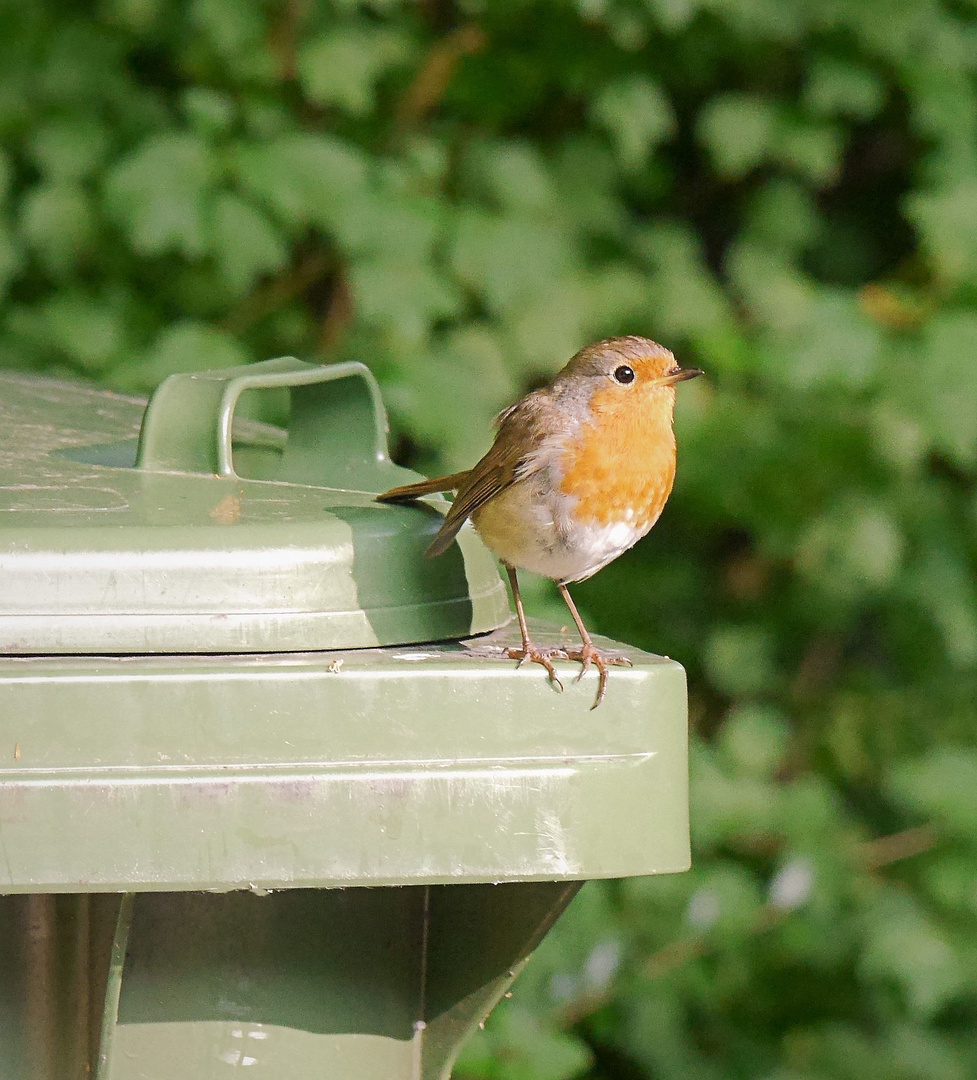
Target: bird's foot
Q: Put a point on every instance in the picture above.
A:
(527, 653)
(602, 659)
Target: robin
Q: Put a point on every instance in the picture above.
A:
(579, 471)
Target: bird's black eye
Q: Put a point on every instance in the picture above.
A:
(624, 375)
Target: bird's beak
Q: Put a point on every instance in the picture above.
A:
(679, 374)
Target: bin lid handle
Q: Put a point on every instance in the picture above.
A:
(337, 434)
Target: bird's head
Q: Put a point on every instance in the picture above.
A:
(626, 373)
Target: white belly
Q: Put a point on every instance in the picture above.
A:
(534, 532)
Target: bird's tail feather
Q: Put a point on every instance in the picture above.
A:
(409, 492)
(445, 538)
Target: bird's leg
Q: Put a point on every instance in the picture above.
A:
(538, 654)
(588, 652)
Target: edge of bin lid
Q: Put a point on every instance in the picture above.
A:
(403, 765)
(178, 528)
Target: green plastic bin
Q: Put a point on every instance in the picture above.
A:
(259, 807)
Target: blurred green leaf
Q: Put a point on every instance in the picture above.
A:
(726, 902)
(471, 366)
(159, 194)
(739, 131)
(514, 175)
(778, 295)
(740, 659)
(208, 111)
(906, 946)
(550, 327)
(813, 150)
(683, 294)
(943, 584)
(11, 259)
(941, 787)
(945, 387)
(838, 344)
(246, 244)
(87, 332)
(304, 179)
(852, 547)
(236, 31)
(838, 87)
(754, 739)
(404, 295)
(342, 67)
(69, 150)
(948, 227)
(782, 216)
(183, 346)
(724, 807)
(57, 224)
(520, 1048)
(506, 260)
(637, 114)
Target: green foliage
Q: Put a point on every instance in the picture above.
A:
(462, 193)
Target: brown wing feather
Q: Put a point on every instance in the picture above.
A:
(515, 440)
(517, 437)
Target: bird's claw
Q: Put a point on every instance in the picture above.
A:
(544, 655)
(539, 654)
(589, 654)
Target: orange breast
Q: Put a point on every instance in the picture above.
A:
(621, 467)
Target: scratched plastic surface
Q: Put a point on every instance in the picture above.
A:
(222, 536)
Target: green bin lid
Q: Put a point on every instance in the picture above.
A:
(199, 533)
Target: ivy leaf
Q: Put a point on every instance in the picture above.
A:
(57, 224)
(638, 116)
(246, 244)
(403, 294)
(945, 218)
(159, 194)
(508, 259)
(739, 131)
(841, 88)
(303, 178)
(944, 387)
(187, 345)
(906, 946)
(940, 786)
(342, 67)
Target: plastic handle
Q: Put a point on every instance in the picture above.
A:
(337, 434)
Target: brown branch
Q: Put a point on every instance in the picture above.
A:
(435, 75)
(885, 850)
(274, 294)
(284, 35)
(817, 667)
(339, 313)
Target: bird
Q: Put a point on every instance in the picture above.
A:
(580, 470)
